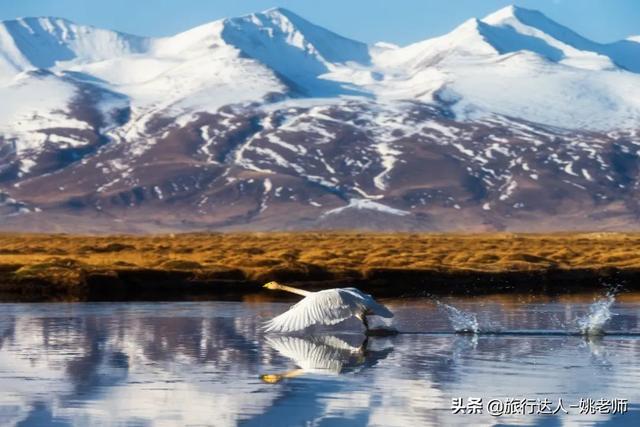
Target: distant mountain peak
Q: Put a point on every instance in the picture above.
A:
(282, 25)
(281, 11)
(55, 23)
(34, 19)
(296, 49)
(501, 14)
(520, 18)
(512, 11)
(43, 42)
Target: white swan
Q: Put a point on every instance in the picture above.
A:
(327, 307)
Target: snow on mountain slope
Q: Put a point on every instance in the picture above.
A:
(493, 65)
(45, 42)
(180, 77)
(519, 63)
(160, 79)
(49, 120)
(514, 29)
(570, 48)
(465, 40)
(520, 86)
(295, 48)
(274, 52)
(34, 102)
(152, 73)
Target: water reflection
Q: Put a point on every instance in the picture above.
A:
(201, 364)
(94, 367)
(324, 354)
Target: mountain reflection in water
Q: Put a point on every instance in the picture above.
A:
(205, 364)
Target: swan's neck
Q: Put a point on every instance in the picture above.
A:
(293, 290)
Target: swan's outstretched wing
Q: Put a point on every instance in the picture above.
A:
(373, 306)
(312, 354)
(321, 308)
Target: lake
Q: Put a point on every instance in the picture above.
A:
(209, 364)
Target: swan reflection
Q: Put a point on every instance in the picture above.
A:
(324, 354)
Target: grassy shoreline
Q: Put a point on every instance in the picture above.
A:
(41, 267)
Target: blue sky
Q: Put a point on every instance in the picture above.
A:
(398, 21)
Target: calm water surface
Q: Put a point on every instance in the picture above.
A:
(204, 364)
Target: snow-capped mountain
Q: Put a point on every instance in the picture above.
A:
(519, 63)
(268, 121)
(42, 43)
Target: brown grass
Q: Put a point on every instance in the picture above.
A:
(257, 253)
(308, 256)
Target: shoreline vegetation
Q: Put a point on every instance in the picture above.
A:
(59, 267)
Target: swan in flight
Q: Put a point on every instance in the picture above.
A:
(327, 307)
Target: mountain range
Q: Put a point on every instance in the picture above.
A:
(267, 121)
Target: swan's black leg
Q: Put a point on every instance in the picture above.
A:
(365, 344)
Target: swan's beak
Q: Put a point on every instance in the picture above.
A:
(271, 378)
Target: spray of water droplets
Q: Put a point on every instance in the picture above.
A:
(462, 321)
(599, 314)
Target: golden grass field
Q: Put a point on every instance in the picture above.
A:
(260, 252)
(69, 260)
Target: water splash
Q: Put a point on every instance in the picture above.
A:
(599, 314)
(462, 321)
(381, 322)
(379, 326)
